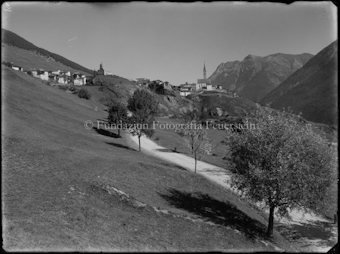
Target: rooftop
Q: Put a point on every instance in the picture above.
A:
(203, 81)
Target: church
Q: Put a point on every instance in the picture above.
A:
(101, 70)
(203, 83)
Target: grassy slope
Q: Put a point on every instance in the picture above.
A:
(29, 60)
(54, 173)
(124, 89)
(13, 39)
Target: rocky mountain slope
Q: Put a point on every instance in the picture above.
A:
(255, 76)
(312, 90)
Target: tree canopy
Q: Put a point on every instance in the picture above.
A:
(280, 162)
(144, 107)
(117, 113)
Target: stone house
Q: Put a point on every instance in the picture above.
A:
(79, 79)
(43, 75)
(143, 82)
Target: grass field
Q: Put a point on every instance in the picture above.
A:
(57, 179)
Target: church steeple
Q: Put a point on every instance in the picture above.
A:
(101, 70)
(204, 72)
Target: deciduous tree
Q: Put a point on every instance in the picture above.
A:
(144, 107)
(196, 139)
(117, 114)
(281, 163)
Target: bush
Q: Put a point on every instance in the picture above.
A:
(83, 93)
(63, 87)
(74, 90)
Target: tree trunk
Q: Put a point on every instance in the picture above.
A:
(139, 142)
(118, 132)
(195, 162)
(271, 221)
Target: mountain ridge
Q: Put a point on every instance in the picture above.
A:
(311, 90)
(255, 76)
(15, 40)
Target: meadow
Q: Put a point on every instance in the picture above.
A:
(68, 188)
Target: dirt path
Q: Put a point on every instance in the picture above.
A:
(317, 234)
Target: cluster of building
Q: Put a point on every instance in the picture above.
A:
(201, 85)
(143, 82)
(61, 77)
(76, 78)
(185, 89)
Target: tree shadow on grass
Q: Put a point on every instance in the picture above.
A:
(216, 211)
(173, 166)
(106, 133)
(166, 150)
(120, 146)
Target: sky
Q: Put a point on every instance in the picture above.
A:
(171, 41)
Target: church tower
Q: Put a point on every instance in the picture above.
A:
(204, 72)
(101, 70)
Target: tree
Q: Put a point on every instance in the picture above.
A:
(196, 139)
(117, 114)
(144, 107)
(83, 93)
(194, 136)
(281, 163)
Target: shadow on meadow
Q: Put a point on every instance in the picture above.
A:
(106, 133)
(216, 211)
(166, 150)
(120, 146)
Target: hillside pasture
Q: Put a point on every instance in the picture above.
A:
(68, 188)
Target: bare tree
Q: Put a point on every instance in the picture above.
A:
(196, 139)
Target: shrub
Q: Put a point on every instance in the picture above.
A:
(74, 90)
(83, 93)
(62, 87)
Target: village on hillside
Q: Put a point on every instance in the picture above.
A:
(187, 88)
(79, 79)
(58, 76)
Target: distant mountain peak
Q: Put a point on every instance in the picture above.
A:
(256, 76)
(250, 57)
